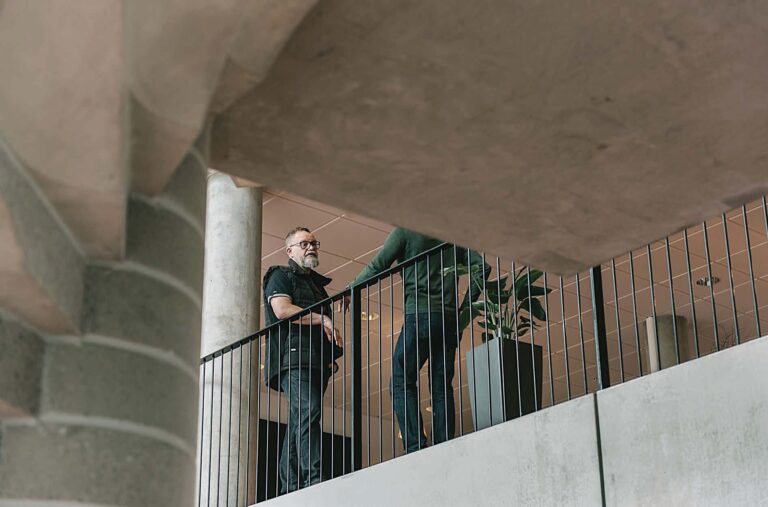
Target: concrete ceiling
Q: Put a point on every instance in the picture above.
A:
(101, 97)
(556, 134)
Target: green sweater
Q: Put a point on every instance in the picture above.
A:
(402, 245)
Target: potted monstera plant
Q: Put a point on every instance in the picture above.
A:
(504, 371)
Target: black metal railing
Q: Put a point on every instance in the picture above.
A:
(482, 340)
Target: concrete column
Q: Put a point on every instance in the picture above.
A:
(232, 262)
(231, 298)
(115, 418)
(661, 340)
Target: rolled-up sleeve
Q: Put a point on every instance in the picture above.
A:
(278, 285)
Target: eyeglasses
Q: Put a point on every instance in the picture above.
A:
(306, 244)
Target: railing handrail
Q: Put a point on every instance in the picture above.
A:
(329, 300)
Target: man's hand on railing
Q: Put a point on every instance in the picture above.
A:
(344, 303)
(331, 332)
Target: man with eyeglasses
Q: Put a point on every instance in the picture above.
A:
(300, 354)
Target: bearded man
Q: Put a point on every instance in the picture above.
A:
(300, 354)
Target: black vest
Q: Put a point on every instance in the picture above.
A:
(298, 345)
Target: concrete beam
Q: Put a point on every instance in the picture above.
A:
(558, 139)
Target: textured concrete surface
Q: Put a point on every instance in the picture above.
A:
(93, 465)
(547, 458)
(160, 238)
(559, 136)
(230, 311)
(232, 263)
(93, 109)
(694, 434)
(40, 266)
(575, 134)
(62, 103)
(187, 188)
(97, 381)
(20, 368)
(142, 309)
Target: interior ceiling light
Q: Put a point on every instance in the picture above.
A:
(369, 316)
(707, 281)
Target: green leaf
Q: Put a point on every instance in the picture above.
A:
(490, 326)
(526, 279)
(537, 310)
(464, 318)
(495, 287)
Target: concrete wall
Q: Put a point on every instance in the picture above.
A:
(105, 413)
(694, 434)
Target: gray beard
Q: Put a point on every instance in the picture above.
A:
(309, 262)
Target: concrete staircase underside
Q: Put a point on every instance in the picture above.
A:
(694, 434)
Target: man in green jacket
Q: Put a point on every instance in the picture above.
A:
(429, 330)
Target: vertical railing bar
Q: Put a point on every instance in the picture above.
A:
(344, 389)
(517, 341)
(500, 337)
(751, 270)
(618, 320)
(690, 290)
(357, 384)
(487, 341)
(221, 418)
(323, 342)
(267, 348)
(418, 358)
(711, 286)
(458, 333)
(653, 303)
(202, 436)
(730, 280)
(533, 340)
(381, 392)
(430, 369)
(239, 421)
(472, 337)
(549, 345)
(258, 411)
(392, 352)
(368, 370)
(403, 336)
(309, 403)
(299, 432)
(565, 340)
(210, 430)
(672, 299)
(229, 421)
(581, 334)
(333, 395)
(445, 349)
(634, 311)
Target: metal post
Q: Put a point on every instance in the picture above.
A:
(598, 320)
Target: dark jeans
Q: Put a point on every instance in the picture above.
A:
(300, 455)
(432, 338)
